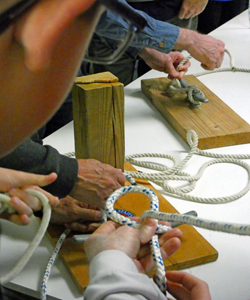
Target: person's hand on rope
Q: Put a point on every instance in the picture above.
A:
(15, 183)
(76, 215)
(182, 285)
(165, 62)
(96, 181)
(191, 8)
(204, 48)
(133, 242)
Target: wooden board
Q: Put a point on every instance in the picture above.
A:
(194, 250)
(216, 124)
(98, 110)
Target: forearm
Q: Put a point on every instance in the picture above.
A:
(113, 275)
(157, 35)
(186, 39)
(31, 156)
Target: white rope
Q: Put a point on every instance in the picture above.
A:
(51, 262)
(175, 84)
(38, 237)
(240, 229)
(175, 174)
(154, 206)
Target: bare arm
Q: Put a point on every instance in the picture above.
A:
(206, 49)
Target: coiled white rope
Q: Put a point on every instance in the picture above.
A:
(175, 174)
(5, 206)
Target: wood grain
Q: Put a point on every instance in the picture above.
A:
(216, 124)
(194, 250)
(98, 111)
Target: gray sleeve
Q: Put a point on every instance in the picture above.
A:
(31, 156)
(114, 276)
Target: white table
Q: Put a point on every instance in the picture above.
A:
(147, 131)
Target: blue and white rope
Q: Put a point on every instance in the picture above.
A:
(154, 206)
(51, 262)
(240, 229)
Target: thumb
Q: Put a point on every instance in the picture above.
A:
(147, 230)
(107, 228)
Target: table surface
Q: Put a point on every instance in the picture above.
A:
(146, 131)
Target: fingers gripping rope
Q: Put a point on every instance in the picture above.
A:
(176, 84)
(240, 229)
(5, 206)
(154, 206)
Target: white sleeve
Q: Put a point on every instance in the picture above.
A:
(114, 276)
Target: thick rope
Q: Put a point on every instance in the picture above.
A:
(240, 229)
(38, 237)
(154, 206)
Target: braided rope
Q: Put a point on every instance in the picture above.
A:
(175, 174)
(240, 229)
(51, 262)
(154, 206)
(38, 237)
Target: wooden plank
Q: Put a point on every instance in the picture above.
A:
(98, 111)
(216, 124)
(194, 250)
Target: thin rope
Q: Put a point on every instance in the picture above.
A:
(240, 229)
(175, 84)
(175, 174)
(51, 262)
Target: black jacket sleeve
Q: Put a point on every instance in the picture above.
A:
(33, 157)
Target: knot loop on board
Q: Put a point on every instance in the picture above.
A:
(194, 95)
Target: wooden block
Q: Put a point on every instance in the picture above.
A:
(194, 250)
(216, 124)
(98, 110)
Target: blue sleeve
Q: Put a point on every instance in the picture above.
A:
(157, 35)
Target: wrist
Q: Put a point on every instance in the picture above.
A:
(186, 39)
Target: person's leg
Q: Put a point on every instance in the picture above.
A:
(102, 47)
(231, 9)
(210, 18)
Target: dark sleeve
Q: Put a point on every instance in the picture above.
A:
(31, 156)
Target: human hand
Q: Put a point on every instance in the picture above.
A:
(133, 242)
(15, 179)
(76, 215)
(182, 285)
(191, 8)
(206, 49)
(165, 62)
(16, 183)
(96, 181)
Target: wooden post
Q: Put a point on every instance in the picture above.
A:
(98, 110)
